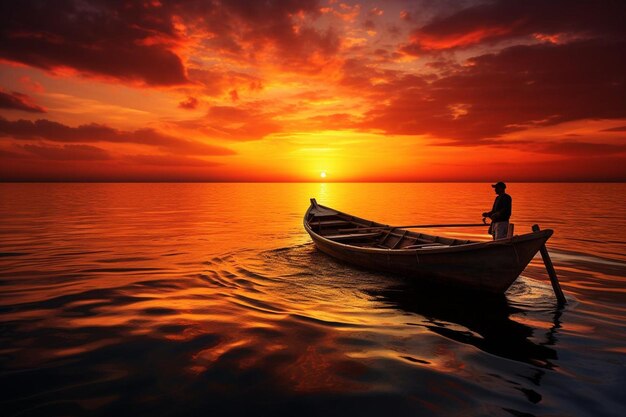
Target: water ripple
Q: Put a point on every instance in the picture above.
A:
(172, 300)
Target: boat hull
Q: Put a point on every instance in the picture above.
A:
(484, 266)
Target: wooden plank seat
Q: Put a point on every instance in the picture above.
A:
(353, 236)
(424, 245)
(330, 223)
(323, 215)
(435, 246)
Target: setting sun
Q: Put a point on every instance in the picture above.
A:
(323, 174)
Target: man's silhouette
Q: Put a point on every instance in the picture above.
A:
(500, 212)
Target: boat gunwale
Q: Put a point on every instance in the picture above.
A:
(431, 250)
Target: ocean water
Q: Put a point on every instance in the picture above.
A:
(210, 299)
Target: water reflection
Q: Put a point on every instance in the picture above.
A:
(191, 299)
(483, 322)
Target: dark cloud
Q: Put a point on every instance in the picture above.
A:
(12, 155)
(375, 11)
(157, 168)
(170, 161)
(57, 132)
(190, 103)
(67, 152)
(139, 42)
(18, 101)
(575, 168)
(616, 129)
(269, 12)
(518, 88)
(122, 40)
(406, 16)
(505, 19)
(360, 74)
(575, 148)
(216, 82)
(246, 30)
(303, 50)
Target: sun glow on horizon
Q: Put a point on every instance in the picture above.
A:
(323, 174)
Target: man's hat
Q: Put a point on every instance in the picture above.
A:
(499, 184)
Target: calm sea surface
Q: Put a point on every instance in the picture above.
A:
(209, 299)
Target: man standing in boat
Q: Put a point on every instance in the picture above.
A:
(500, 212)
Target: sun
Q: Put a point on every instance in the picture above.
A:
(323, 174)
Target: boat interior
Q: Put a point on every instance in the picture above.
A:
(350, 230)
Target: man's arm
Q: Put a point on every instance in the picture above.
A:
(503, 206)
(493, 209)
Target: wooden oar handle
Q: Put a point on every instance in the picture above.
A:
(416, 226)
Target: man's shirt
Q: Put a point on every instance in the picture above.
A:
(501, 211)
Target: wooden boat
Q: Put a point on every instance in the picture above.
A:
(490, 266)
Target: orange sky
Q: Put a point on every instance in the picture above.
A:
(285, 90)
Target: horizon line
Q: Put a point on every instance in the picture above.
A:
(617, 181)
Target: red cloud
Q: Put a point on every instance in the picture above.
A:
(143, 42)
(98, 38)
(18, 101)
(376, 11)
(31, 84)
(130, 168)
(171, 161)
(406, 16)
(68, 152)
(336, 121)
(570, 168)
(518, 88)
(503, 19)
(575, 148)
(246, 30)
(216, 83)
(616, 129)
(57, 132)
(358, 74)
(424, 42)
(189, 104)
(236, 123)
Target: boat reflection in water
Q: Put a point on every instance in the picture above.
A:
(485, 322)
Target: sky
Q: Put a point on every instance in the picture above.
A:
(286, 90)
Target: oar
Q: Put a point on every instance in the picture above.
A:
(558, 292)
(416, 226)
